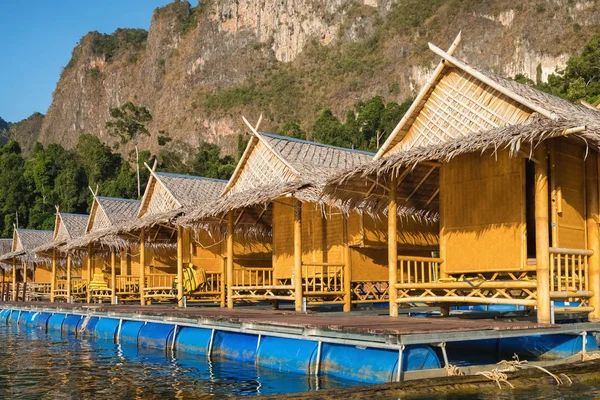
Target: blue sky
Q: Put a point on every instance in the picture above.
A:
(37, 37)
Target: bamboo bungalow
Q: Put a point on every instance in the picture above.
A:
(173, 263)
(99, 250)
(67, 227)
(21, 256)
(512, 175)
(275, 189)
(5, 247)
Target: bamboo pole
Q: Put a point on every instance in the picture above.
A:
(298, 255)
(593, 236)
(347, 265)
(69, 278)
(113, 276)
(393, 245)
(179, 266)
(142, 265)
(53, 278)
(14, 274)
(90, 266)
(229, 274)
(542, 239)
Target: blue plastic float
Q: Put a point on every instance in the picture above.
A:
(155, 335)
(287, 355)
(370, 365)
(71, 323)
(106, 329)
(130, 331)
(235, 346)
(42, 320)
(55, 322)
(192, 340)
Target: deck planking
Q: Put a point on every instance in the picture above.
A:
(365, 324)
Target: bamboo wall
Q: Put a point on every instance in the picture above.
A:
(567, 177)
(42, 274)
(483, 213)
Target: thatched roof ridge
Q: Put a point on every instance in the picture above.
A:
(191, 190)
(5, 247)
(26, 240)
(118, 210)
(74, 227)
(315, 160)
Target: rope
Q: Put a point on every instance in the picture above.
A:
(497, 376)
(453, 370)
(589, 356)
(516, 364)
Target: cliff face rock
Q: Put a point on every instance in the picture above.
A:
(200, 68)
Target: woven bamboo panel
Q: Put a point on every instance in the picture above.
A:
(261, 168)
(568, 188)
(100, 219)
(158, 200)
(207, 252)
(459, 105)
(483, 232)
(42, 274)
(283, 238)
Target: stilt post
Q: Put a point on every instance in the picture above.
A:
(179, 266)
(542, 235)
(347, 265)
(69, 278)
(53, 278)
(393, 245)
(142, 265)
(298, 255)
(113, 275)
(593, 236)
(230, 259)
(14, 274)
(90, 267)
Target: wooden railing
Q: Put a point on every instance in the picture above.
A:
(253, 277)
(212, 283)
(569, 271)
(79, 288)
(127, 284)
(160, 280)
(322, 278)
(39, 290)
(418, 269)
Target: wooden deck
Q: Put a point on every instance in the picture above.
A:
(362, 324)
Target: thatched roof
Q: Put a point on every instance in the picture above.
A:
(167, 196)
(67, 227)
(24, 241)
(115, 210)
(493, 113)
(5, 247)
(273, 167)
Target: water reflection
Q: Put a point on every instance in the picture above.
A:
(36, 364)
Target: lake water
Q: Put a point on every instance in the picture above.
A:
(39, 365)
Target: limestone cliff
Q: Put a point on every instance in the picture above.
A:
(200, 68)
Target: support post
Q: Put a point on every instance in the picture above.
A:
(393, 245)
(347, 265)
(298, 255)
(593, 235)
(53, 278)
(14, 274)
(69, 278)
(230, 259)
(179, 266)
(113, 276)
(90, 267)
(542, 240)
(142, 265)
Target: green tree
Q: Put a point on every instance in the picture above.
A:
(128, 122)
(208, 163)
(293, 130)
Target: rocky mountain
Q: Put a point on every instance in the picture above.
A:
(200, 68)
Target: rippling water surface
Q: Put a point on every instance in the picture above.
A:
(39, 365)
(35, 364)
